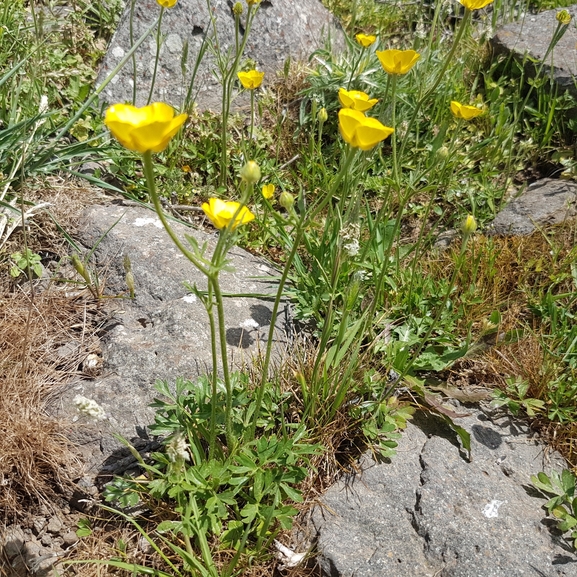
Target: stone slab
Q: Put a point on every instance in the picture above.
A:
(545, 202)
(429, 512)
(281, 30)
(532, 35)
(164, 332)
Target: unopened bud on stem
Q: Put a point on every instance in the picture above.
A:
(250, 172)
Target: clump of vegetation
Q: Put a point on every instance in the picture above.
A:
(348, 194)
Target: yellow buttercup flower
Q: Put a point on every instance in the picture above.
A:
(475, 4)
(356, 100)
(166, 3)
(397, 61)
(268, 191)
(251, 79)
(360, 131)
(464, 111)
(221, 213)
(365, 40)
(145, 129)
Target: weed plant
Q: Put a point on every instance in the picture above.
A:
(391, 147)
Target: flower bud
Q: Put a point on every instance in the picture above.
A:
(442, 153)
(286, 200)
(130, 283)
(237, 9)
(563, 17)
(250, 172)
(322, 115)
(469, 225)
(77, 264)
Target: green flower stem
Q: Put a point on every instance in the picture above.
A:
(464, 25)
(394, 125)
(214, 376)
(268, 350)
(251, 115)
(227, 83)
(151, 185)
(158, 44)
(383, 107)
(301, 226)
(225, 242)
(131, 37)
(354, 68)
(230, 440)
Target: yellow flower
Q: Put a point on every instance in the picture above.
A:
(397, 61)
(356, 100)
(149, 128)
(166, 3)
(252, 2)
(365, 40)
(563, 17)
(251, 79)
(221, 213)
(464, 111)
(360, 131)
(475, 4)
(268, 191)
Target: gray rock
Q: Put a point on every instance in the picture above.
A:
(281, 30)
(69, 539)
(163, 333)
(532, 35)
(54, 525)
(545, 202)
(12, 541)
(430, 512)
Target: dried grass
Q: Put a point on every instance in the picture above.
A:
(44, 336)
(43, 339)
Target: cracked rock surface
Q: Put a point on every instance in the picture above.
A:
(432, 513)
(163, 333)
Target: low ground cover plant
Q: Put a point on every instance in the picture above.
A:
(396, 140)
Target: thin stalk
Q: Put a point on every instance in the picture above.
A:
(394, 125)
(440, 74)
(151, 185)
(158, 44)
(230, 440)
(302, 224)
(227, 81)
(214, 376)
(251, 115)
(131, 36)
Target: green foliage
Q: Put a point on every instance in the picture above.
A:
(27, 263)
(515, 398)
(563, 504)
(241, 498)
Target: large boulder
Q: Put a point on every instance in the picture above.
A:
(163, 333)
(528, 41)
(430, 511)
(281, 30)
(545, 202)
